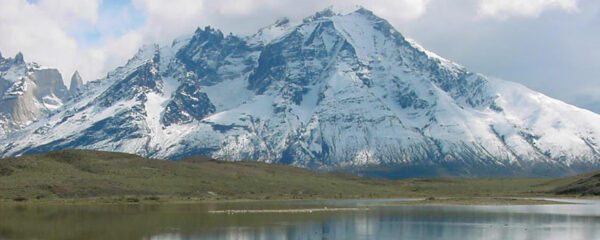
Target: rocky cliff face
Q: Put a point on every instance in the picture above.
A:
(76, 83)
(27, 92)
(335, 91)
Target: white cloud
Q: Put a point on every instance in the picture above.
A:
(96, 62)
(240, 7)
(167, 19)
(404, 9)
(27, 28)
(66, 10)
(526, 8)
(394, 9)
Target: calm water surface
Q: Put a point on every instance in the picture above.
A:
(192, 221)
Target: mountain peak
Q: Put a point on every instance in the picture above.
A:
(208, 30)
(76, 82)
(19, 58)
(364, 11)
(325, 13)
(271, 32)
(207, 34)
(282, 21)
(146, 52)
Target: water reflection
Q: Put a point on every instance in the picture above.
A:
(427, 223)
(168, 222)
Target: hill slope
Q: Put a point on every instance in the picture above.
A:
(78, 174)
(584, 185)
(82, 174)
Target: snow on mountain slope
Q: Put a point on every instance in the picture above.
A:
(268, 34)
(335, 91)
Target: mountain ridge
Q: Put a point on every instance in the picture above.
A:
(336, 91)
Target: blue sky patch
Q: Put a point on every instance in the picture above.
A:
(115, 18)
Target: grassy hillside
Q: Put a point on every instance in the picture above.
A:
(83, 174)
(76, 174)
(583, 185)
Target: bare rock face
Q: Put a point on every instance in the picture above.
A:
(76, 83)
(27, 93)
(49, 83)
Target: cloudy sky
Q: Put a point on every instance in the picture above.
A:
(552, 46)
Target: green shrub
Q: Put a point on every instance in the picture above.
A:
(20, 199)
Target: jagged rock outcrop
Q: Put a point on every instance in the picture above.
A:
(76, 83)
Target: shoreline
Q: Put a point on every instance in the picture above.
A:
(395, 201)
(486, 201)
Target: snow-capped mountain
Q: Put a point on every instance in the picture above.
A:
(27, 92)
(334, 91)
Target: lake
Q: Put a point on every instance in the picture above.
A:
(344, 219)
